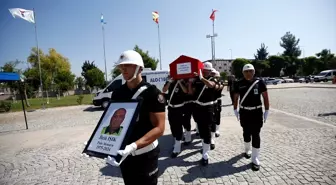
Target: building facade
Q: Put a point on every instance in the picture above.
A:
(222, 65)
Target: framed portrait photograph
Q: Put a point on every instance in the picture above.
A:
(113, 129)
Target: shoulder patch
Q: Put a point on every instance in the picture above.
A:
(161, 98)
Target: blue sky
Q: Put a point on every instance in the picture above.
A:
(73, 28)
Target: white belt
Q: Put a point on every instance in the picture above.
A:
(146, 149)
(205, 103)
(176, 106)
(219, 99)
(251, 108)
(191, 101)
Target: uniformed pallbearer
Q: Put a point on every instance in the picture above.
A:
(176, 108)
(251, 116)
(218, 99)
(140, 164)
(203, 89)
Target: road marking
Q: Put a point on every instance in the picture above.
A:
(305, 118)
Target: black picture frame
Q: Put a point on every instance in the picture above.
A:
(127, 135)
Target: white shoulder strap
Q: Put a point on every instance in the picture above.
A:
(202, 90)
(139, 91)
(172, 93)
(248, 91)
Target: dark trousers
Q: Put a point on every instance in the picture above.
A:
(141, 169)
(176, 119)
(232, 96)
(217, 115)
(252, 122)
(188, 112)
(205, 118)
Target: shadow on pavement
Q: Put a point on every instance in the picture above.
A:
(93, 109)
(327, 114)
(215, 170)
(110, 170)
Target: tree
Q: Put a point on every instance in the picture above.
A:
(260, 66)
(291, 45)
(149, 62)
(237, 66)
(95, 78)
(65, 80)
(262, 53)
(51, 64)
(276, 63)
(310, 66)
(326, 58)
(79, 81)
(223, 75)
(87, 66)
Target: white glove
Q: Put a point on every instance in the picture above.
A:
(236, 113)
(170, 80)
(124, 153)
(265, 115)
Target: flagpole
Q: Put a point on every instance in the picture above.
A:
(159, 45)
(103, 30)
(213, 34)
(38, 59)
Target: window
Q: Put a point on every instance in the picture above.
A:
(113, 86)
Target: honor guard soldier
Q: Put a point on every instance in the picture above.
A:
(191, 98)
(218, 105)
(203, 89)
(139, 163)
(230, 87)
(176, 94)
(251, 115)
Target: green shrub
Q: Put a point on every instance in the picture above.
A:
(6, 105)
(80, 99)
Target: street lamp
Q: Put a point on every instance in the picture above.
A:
(231, 53)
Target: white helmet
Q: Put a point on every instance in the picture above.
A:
(248, 67)
(131, 57)
(217, 74)
(207, 66)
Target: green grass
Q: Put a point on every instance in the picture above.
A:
(36, 103)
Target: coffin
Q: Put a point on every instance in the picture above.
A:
(185, 67)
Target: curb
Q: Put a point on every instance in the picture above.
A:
(303, 87)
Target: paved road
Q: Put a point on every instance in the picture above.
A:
(294, 151)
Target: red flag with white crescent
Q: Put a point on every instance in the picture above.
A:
(212, 16)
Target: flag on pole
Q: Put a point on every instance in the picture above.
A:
(27, 15)
(155, 17)
(212, 16)
(102, 19)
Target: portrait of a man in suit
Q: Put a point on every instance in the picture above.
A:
(115, 127)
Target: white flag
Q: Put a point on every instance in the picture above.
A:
(27, 15)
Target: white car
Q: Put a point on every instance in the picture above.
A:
(2, 93)
(288, 80)
(273, 81)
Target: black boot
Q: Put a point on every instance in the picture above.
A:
(212, 146)
(247, 156)
(204, 162)
(255, 167)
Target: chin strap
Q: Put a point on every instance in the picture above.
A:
(135, 74)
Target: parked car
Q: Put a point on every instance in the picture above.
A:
(273, 81)
(287, 80)
(2, 93)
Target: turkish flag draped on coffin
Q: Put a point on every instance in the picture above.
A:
(185, 67)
